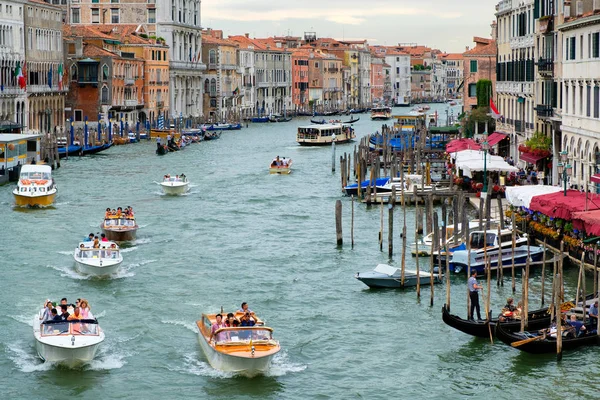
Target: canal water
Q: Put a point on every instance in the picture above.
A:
(244, 235)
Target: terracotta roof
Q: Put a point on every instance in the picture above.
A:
(90, 50)
(452, 56)
(482, 49)
(222, 42)
(246, 42)
(124, 33)
(86, 32)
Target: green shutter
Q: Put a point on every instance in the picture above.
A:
(536, 9)
(473, 66)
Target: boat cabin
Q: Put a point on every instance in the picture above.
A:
(119, 222)
(319, 131)
(81, 327)
(107, 250)
(481, 239)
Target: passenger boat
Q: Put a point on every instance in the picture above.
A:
(119, 141)
(281, 166)
(35, 187)
(323, 135)
(119, 229)
(213, 135)
(175, 185)
(101, 261)
(132, 137)
(543, 342)
(386, 276)
(381, 113)
(452, 103)
(279, 118)
(537, 319)
(69, 343)
(489, 247)
(244, 349)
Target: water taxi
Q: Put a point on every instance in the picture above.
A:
(387, 276)
(487, 247)
(101, 261)
(280, 166)
(119, 229)
(325, 134)
(175, 185)
(381, 113)
(36, 187)
(69, 343)
(244, 349)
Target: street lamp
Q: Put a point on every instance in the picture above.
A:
(564, 167)
(485, 146)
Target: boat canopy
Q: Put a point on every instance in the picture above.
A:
(387, 270)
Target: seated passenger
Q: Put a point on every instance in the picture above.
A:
(244, 308)
(64, 313)
(247, 320)
(107, 213)
(76, 315)
(103, 238)
(130, 211)
(89, 238)
(55, 316)
(510, 305)
(85, 309)
(119, 212)
(578, 325)
(593, 313)
(47, 313)
(96, 242)
(229, 320)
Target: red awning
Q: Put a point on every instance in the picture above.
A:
(590, 221)
(557, 205)
(595, 178)
(530, 158)
(495, 137)
(462, 144)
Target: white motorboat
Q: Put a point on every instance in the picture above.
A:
(175, 185)
(36, 187)
(248, 350)
(102, 261)
(70, 343)
(387, 276)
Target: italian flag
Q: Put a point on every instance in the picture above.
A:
(60, 76)
(20, 76)
(495, 114)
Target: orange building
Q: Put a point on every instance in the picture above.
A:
(300, 80)
(479, 63)
(377, 79)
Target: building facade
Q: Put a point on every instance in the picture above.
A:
(479, 63)
(454, 73)
(300, 80)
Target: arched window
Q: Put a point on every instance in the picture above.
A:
(74, 72)
(213, 87)
(105, 99)
(212, 56)
(105, 72)
(206, 86)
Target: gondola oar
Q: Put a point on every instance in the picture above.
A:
(521, 342)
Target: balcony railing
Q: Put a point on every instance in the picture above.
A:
(228, 66)
(546, 66)
(131, 103)
(129, 81)
(544, 111)
(213, 66)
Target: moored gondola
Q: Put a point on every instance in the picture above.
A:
(540, 343)
(538, 319)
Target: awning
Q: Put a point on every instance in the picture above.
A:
(595, 178)
(520, 196)
(472, 161)
(462, 144)
(530, 158)
(590, 221)
(557, 205)
(495, 137)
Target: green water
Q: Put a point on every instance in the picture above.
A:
(244, 235)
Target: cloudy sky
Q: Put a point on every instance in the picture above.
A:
(445, 24)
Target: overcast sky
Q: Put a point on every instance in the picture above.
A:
(445, 24)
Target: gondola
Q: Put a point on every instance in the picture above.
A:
(352, 120)
(71, 150)
(95, 149)
(314, 121)
(161, 150)
(538, 319)
(546, 344)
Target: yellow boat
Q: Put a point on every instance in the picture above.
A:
(282, 166)
(36, 187)
(248, 350)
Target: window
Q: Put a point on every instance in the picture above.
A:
(75, 16)
(152, 15)
(472, 90)
(74, 72)
(78, 115)
(114, 15)
(596, 45)
(114, 1)
(596, 102)
(213, 87)
(473, 65)
(105, 72)
(105, 99)
(212, 56)
(95, 15)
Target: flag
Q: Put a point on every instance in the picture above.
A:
(495, 114)
(236, 91)
(19, 75)
(50, 77)
(60, 76)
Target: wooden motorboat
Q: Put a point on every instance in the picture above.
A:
(541, 342)
(69, 343)
(248, 350)
(386, 276)
(120, 229)
(35, 187)
(537, 319)
(325, 134)
(175, 185)
(102, 261)
(281, 166)
(381, 113)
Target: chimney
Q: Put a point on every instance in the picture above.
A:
(466, 48)
(494, 30)
(247, 35)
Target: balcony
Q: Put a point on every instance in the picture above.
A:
(213, 66)
(544, 111)
(12, 91)
(175, 65)
(546, 66)
(129, 81)
(228, 67)
(131, 103)
(40, 89)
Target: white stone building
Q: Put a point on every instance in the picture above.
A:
(581, 90)
(178, 22)
(13, 99)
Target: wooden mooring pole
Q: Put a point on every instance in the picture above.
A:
(338, 222)
(391, 207)
(352, 224)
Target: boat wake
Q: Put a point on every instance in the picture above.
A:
(69, 272)
(187, 325)
(25, 359)
(129, 249)
(192, 365)
(65, 253)
(107, 358)
(142, 241)
(281, 365)
(24, 319)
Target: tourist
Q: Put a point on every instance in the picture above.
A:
(64, 302)
(107, 214)
(247, 320)
(244, 308)
(96, 242)
(85, 309)
(577, 325)
(103, 238)
(55, 316)
(229, 320)
(593, 313)
(119, 212)
(89, 238)
(215, 327)
(474, 295)
(47, 314)
(130, 210)
(76, 314)
(64, 315)
(510, 305)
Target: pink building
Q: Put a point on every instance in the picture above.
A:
(377, 79)
(300, 79)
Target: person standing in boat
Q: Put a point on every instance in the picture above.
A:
(215, 327)
(474, 288)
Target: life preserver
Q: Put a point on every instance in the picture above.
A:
(25, 182)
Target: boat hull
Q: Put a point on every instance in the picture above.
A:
(34, 201)
(175, 190)
(324, 143)
(248, 366)
(280, 170)
(67, 356)
(383, 282)
(536, 254)
(120, 235)
(106, 269)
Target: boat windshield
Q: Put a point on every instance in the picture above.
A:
(35, 175)
(98, 253)
(477, 240)
(88, 327)
(119, 221)
(242, 335)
